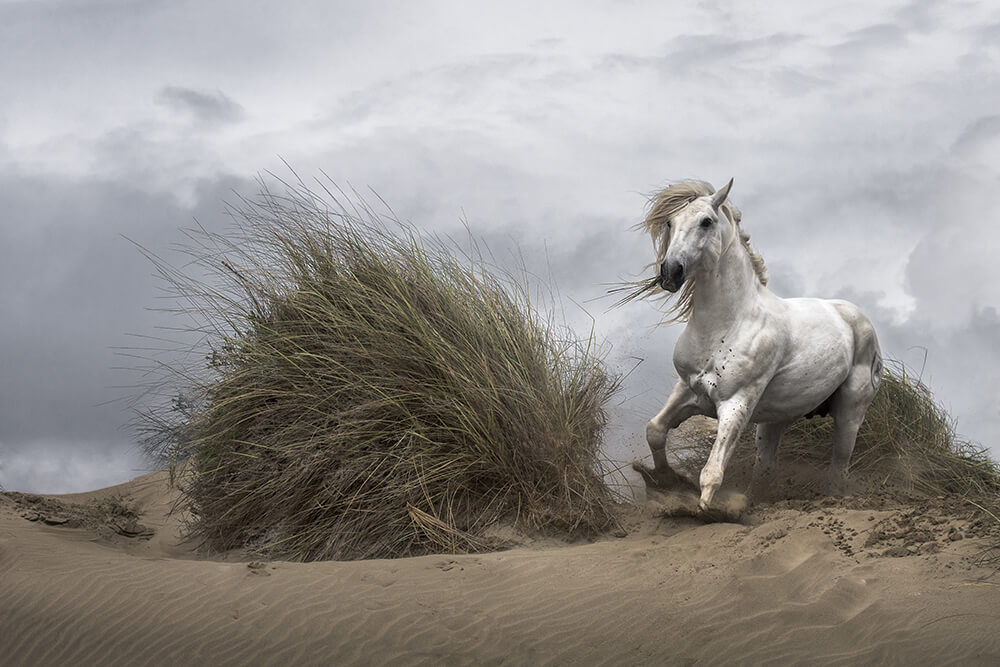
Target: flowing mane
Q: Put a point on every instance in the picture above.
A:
(663, 206)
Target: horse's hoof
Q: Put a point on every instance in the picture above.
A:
(728, 508)
(719, 515)
(837, 487)
(648, 474)
(663, 479)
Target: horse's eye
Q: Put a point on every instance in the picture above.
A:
(706, 223)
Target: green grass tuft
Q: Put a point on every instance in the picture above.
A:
(367, 392)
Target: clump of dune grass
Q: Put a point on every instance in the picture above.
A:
(364, 391)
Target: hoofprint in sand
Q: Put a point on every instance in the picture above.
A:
(105, 578)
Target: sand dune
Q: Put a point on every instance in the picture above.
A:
(856, 581)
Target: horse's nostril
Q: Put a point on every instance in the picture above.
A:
(677, 274)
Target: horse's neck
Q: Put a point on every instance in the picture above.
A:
(724, 293)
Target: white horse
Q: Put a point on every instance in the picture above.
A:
(747, 355)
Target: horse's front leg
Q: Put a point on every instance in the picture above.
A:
(682, 404)
(733, 415)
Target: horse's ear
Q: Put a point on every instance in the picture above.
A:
(720, 196)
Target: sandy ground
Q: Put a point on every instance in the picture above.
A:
(104, 578)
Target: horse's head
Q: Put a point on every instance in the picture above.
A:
(691, 237)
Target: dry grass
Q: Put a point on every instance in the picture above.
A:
(367, 392)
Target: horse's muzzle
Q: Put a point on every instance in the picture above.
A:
(671, 276)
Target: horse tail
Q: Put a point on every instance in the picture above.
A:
(877, 368)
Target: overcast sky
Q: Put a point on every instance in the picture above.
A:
(864, 139)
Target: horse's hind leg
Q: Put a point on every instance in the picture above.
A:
(848, 409)
(845, 434)
(682, 404)
(851, 400)
(768, 440)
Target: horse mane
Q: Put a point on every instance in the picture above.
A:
(667, 203)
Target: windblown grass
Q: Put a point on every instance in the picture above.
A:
(368, 392)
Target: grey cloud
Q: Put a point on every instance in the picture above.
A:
(486, 66)
(831, 210)
(978, 132)
(709, 50)
(977, 386)
(793, 83)
(988, 35)
(922, 15)
(74, 291)
(205, 107)
(784, 279)
(449, 84)
(546, 43)
(718, 53)
(960, 367)
(149, 157)
(616, 62)
(872, 38)
(950, 271)
(581, 269)
(70, 466)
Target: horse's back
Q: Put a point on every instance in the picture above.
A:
(822, 326)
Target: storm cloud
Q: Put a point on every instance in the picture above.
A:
(863, 141)
(207, 107)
